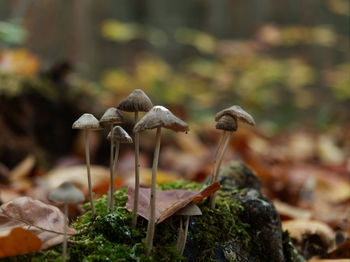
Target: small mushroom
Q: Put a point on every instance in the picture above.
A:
(227, 121)
(188, 211)
(88, 122)
(157, 117)
(119, 135)
(110, 117)
(137, 101)
(66, 193)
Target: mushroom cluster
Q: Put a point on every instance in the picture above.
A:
(156, 117)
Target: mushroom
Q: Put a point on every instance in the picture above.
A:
(135, 102)
(110, 117)
(188, 211)
(227, 121)
(88, 122)
(119, 135)
(66, 193)
(157, 117)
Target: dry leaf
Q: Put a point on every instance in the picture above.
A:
(77, 175)
(163, 176)
(23, 169)
(168, 202)
(299, 227)
(328, 260)
(291, 212)
(45, 221)
(342, 251)
(19, 242)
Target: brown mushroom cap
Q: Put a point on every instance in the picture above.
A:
(159, 116)
(66, 193)
(135, 102)
(111, 116)
(120, 135)
(227, 123)
(86, 121)
(190, 210)
(238, 113)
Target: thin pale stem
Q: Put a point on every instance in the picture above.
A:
(110, 192)
(187, 222)
(137, 176)
(87, 156)
(64, 249)
(151, 222)
(116, 155)
(216, 155)
(180, 237)
(213, 197)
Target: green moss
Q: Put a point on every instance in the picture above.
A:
(109, 237)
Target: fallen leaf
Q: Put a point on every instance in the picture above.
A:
(328, 260)
(342, 251)
(168, 202)
(45, 221)
(23, 169)
(298, 228)
(77, 175)
(19, 242)
(287, 211)
(163, 177)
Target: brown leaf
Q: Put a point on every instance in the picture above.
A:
(287, 211)
(168, 202)
(298, 228)
(45, 221)
(23, 169)
(19, 242)
(342, 251)
(77, 175)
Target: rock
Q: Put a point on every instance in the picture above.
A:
(258, 211)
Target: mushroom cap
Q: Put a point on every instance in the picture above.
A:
(227, 123)
(66, 193)
(111, 116)
(136, 101)
(86, 121)
(190, 210)
(238, 113)
(159, 116)
(120, 135)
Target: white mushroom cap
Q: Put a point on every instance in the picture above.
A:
(159, 116)
(190, 210)
(238, 113)
(135, 102)
(86, 121)
(111, 116)
(120, 135)
(66, 193)
(227, 123)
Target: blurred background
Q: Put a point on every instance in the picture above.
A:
(285, 62)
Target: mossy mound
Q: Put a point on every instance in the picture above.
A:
(109, 237)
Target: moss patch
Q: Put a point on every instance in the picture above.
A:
(109, 237)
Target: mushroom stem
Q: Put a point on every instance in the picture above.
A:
(151, 222)
(185, 234)
(181, 244)
(64, 249)
(213, 197)
(137, 175)
(110, 192)
(87, 156)
(215, 156)
(116, 155)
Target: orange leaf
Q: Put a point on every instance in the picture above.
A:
(18, 242)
